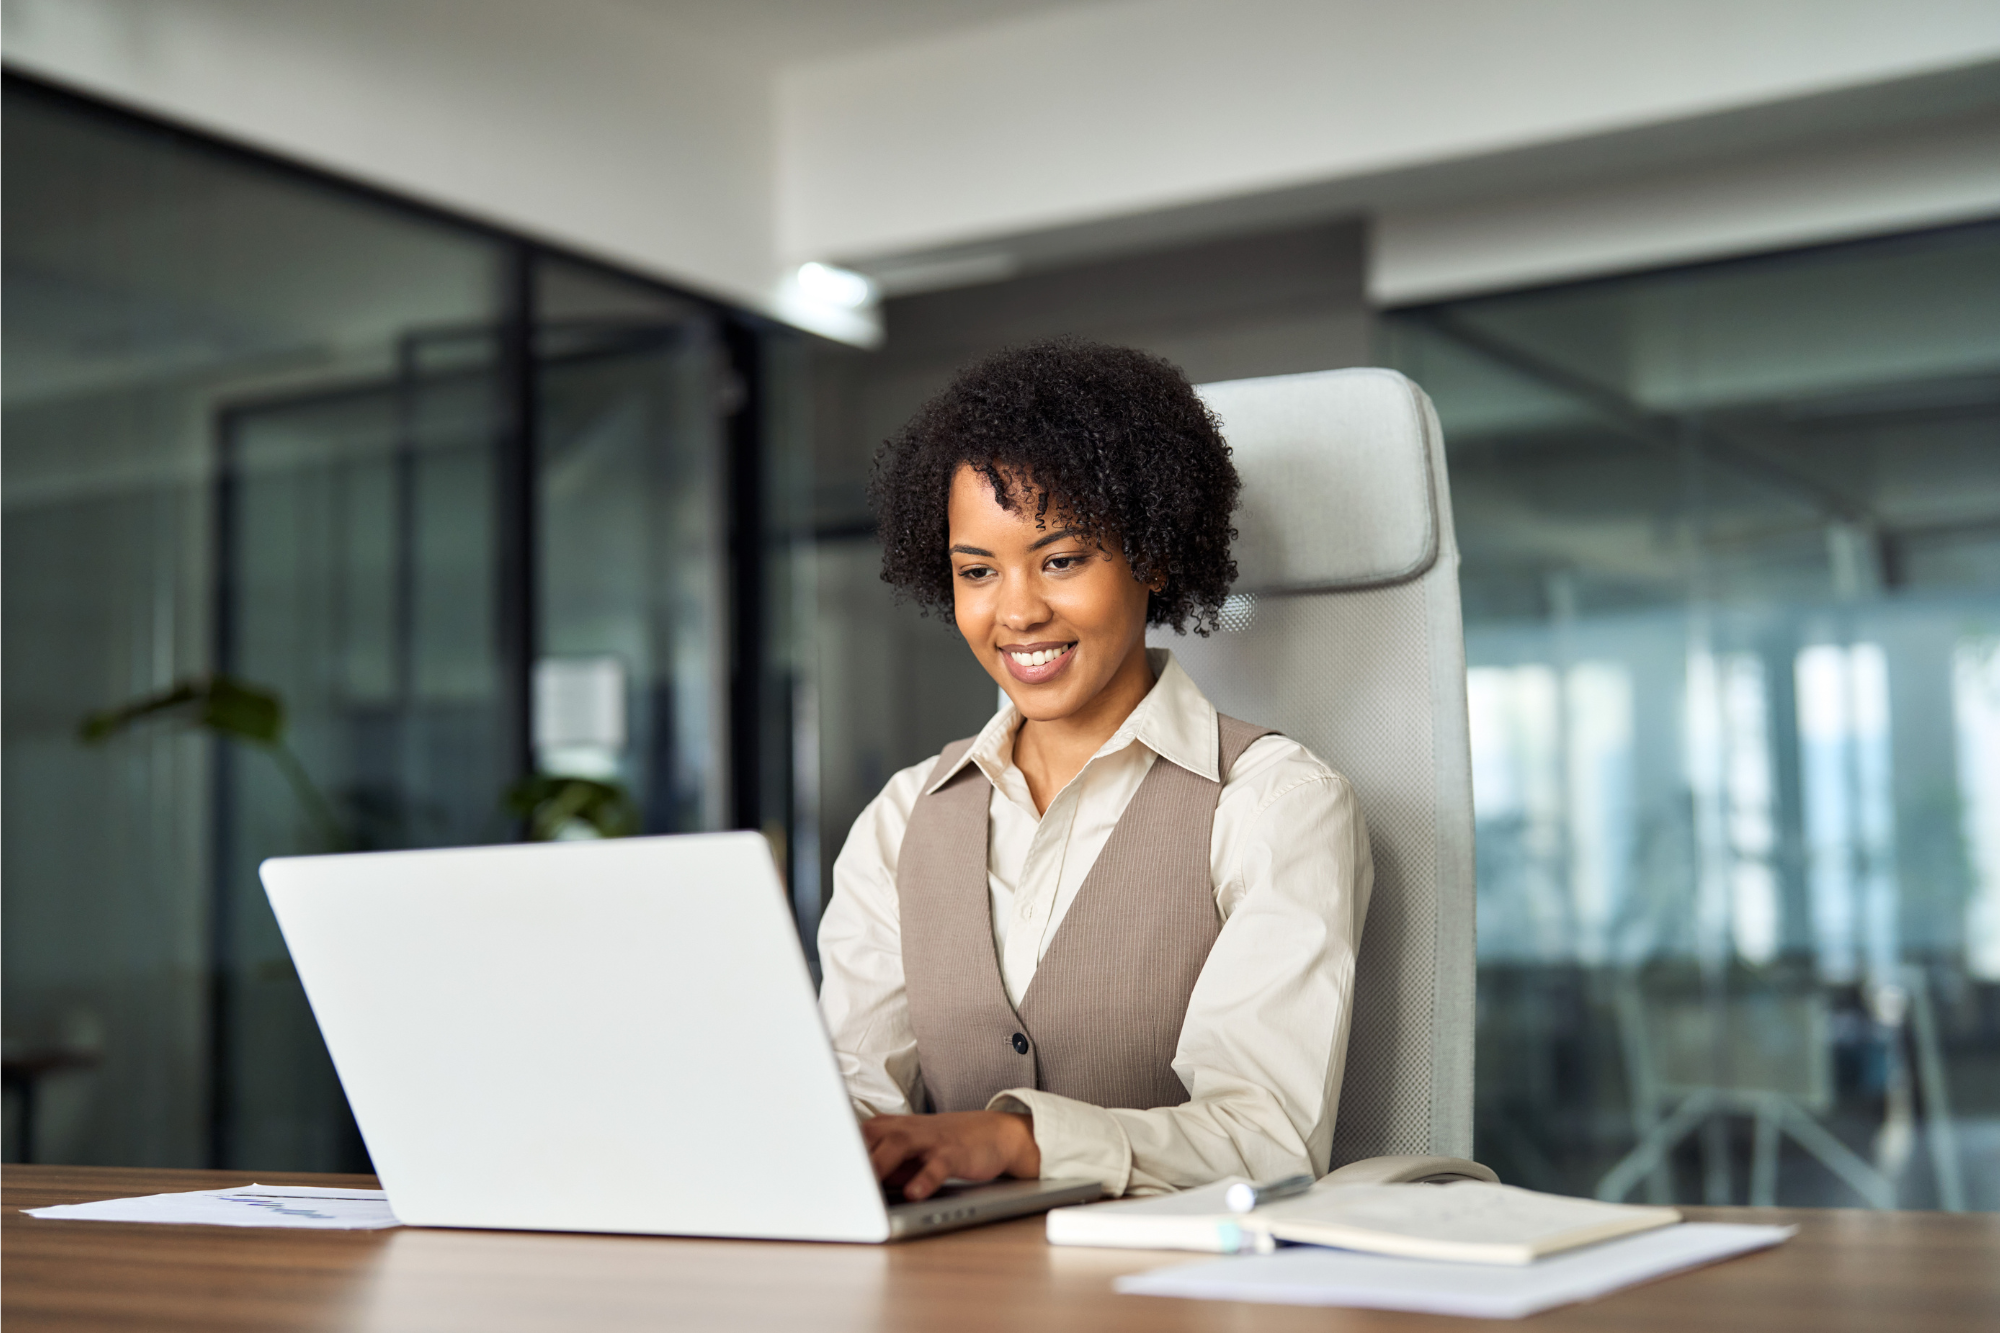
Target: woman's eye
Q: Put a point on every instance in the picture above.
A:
(1059, 563)
(974, 573)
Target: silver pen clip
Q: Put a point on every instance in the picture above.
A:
(1244, 1196)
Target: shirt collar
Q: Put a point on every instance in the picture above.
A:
(1175, 721)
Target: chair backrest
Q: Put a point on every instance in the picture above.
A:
(1345, 634)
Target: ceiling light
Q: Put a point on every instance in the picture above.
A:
(835, 286)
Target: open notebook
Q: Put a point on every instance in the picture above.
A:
(1466, 1222)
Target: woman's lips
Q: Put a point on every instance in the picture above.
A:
(1038, 675)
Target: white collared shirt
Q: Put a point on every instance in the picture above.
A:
(1265, 1037)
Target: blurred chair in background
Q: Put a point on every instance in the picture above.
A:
(1700, 1047)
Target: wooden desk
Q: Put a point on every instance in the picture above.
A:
(1845, 1270)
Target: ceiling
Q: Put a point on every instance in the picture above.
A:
(777, 32)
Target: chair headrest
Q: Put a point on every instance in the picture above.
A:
(1336, 470)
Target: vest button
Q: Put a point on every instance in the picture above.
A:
(1020, 1044)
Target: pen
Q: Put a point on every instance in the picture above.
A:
(1245, 1195)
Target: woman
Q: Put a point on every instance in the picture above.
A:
(1111, 937)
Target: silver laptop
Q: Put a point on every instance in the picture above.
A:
(595, 1036)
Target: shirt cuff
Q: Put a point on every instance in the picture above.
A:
(1077, 1141)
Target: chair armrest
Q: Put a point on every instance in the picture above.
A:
(1402, 1170)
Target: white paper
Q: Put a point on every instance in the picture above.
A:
(1309, 1275)
(308, 1206)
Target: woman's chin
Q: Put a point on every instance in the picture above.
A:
(1042, 703)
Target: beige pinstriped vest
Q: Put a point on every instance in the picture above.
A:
(1103, 1015)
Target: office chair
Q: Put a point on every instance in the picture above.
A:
(1345, 634)
(1765, 1051)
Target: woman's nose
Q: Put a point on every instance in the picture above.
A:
(1021, 605)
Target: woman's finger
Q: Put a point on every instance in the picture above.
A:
(887, 1153)
(926, 1182)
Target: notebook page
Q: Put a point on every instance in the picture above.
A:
(1467, 1221)
(1309, 1276)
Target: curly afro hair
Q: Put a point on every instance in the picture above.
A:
(1114, 439)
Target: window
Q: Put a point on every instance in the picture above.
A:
(352, 478)
(1731, 577)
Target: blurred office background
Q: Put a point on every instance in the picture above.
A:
(494, 385)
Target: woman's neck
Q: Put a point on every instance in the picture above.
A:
(1050, 753)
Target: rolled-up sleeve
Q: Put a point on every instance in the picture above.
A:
(1264, 1042)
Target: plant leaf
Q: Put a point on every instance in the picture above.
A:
(549, 801)
(219, 702)
(238, 708)
(108, 722)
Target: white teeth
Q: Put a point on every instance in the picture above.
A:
(1040, 658)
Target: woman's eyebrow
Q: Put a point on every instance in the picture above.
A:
(1038, 544)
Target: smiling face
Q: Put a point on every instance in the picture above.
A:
(1059, 622)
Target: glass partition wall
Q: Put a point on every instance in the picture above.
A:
(333, 524)
(1732, 592)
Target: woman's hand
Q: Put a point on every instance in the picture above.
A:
(921, 1152)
